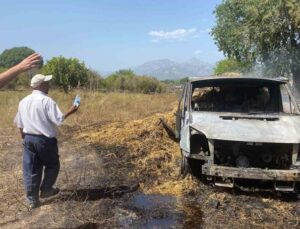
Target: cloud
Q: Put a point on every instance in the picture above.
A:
(198, 52)
(177, 34)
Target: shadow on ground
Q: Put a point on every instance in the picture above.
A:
(93, 194)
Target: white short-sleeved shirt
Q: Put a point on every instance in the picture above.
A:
(39, 114)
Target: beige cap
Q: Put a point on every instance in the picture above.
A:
(38, 79)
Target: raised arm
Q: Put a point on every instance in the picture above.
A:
(32, 61)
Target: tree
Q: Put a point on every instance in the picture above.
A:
(126, 80)
(95, 81)
(231, 65)
(121, 80)
(263, 32)
(67, 73)
(13, 56)
(183, 80)
(146, 85)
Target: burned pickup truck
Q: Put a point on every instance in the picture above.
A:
(240, 132)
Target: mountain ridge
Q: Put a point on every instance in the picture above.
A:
(166, 69)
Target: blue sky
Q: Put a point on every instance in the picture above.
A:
(111, 34)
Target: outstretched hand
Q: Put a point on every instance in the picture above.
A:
(32, 61)
(72, 110)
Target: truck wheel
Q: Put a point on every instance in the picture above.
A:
(185, 166)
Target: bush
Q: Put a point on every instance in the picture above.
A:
(126, 80)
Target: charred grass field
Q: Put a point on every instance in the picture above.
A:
(120, 169)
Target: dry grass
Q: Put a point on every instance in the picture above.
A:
(114, 107)
(96, 107)
(152, 156)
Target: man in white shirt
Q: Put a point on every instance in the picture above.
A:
(37, 118)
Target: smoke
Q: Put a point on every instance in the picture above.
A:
(277, 63)
(280, 63)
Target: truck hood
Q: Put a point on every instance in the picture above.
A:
(249, 128)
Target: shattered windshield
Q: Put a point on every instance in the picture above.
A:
(236, 98)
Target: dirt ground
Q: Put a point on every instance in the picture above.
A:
(126, 175)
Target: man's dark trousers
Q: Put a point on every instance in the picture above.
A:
(39, 153)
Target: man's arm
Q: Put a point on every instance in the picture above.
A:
(32, 61)
(54, 113)
(72, 110)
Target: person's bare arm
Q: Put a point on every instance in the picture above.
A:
(22, 133)
(32, 61)
(72, 110)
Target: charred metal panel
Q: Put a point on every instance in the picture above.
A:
(225, 79)
(252, 173)
(185, 133)
(286, 129)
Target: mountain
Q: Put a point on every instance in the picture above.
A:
(167, 69)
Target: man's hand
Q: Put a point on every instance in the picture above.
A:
(72, 110)
(22, 133)
(32, 61)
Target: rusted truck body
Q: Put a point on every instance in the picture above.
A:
(240, 132)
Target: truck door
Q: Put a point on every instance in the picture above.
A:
(185, 128)
(179, 113)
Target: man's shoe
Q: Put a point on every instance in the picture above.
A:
(50, 192)
(34, 205)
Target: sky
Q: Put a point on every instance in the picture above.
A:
(111, 34)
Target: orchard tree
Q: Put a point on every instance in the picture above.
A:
(263, 32)
(231, 65)
(13, 56)
(67, 72)
(126, 80)
(121, 80)
(146, 85)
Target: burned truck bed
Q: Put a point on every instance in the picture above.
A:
(240, 132)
